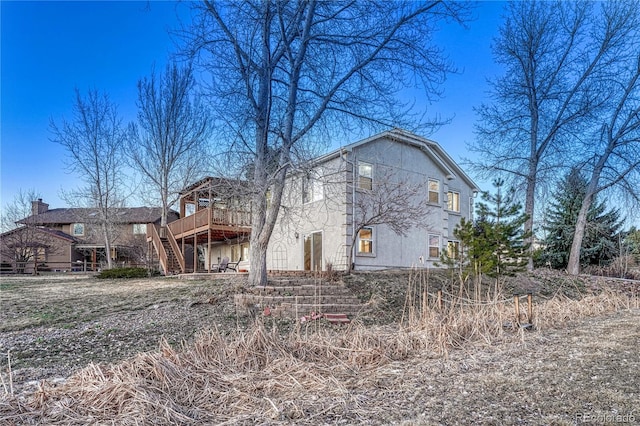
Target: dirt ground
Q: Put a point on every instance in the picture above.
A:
(583, 371)
(52, 326)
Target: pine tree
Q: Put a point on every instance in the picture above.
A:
(495, 244)
(600, 245)
(501, 223)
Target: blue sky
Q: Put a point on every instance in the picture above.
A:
(50, 48)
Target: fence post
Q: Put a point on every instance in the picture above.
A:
(439, 300)
(516, 302)
(530, 308)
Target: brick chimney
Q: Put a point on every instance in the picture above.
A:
(38, 207)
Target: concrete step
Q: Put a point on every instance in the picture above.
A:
(323, 300)
(301, 290)
(306, 309)
(295, 282)
(292, 306)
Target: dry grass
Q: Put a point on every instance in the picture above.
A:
(459, 363)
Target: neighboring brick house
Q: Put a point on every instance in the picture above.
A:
(316, 223)
(66, 239)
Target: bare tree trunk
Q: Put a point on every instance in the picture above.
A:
(107, 245)
(573, 265)
(259, 238)
(529, 206)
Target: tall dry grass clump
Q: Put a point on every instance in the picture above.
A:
(446, 318)
(262, 376)
(467, 311)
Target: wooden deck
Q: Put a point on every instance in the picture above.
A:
(221, 223)
(175, 245)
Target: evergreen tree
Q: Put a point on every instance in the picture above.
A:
(495, 244)
(600, 245)
(501, 227)
(632, 243)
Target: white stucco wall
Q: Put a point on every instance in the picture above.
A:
(297, 220)
(332, 214)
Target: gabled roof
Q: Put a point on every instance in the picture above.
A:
(217, 185)
(429, 147)
(52, 232)
(125, 215)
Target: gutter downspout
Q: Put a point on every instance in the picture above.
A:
(354, 175)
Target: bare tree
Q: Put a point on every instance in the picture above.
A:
(615, 146)
(394, 201)
(168, 144)
(555, 54)
(95, 141)
(288, 74)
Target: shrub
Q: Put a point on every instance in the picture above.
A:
(123, 273)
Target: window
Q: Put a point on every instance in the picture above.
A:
(139, 228)
(453, 201)
(40, 254)
(434, 245)
(239, 252)
(365, 175)
(311, 190)
(77, 229)
(365, 241)
(453, 249)
(434, 191)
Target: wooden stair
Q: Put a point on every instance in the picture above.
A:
(298, 297)
(173, 265)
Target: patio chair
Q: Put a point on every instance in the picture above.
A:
(224, 264)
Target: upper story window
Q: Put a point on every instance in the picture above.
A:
(77, 229)
(312, 190)
(139, 228)
(365, 175)
(365, 241)
(434, 191)
(453, 201)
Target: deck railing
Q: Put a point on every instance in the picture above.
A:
(152, 233)
(176, 250)
(209, 217)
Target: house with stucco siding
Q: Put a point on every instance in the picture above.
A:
(316, 221)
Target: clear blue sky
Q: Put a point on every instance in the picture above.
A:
(50, 48)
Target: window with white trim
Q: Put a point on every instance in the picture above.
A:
(139, 228)
(453, 201)
(77, 229)
(365, 175)
(434, 245)
(312, 190)
(453, 249)
(434, 191)
(365, 241)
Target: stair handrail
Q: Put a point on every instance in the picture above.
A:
(152, 232)
(176, 249)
